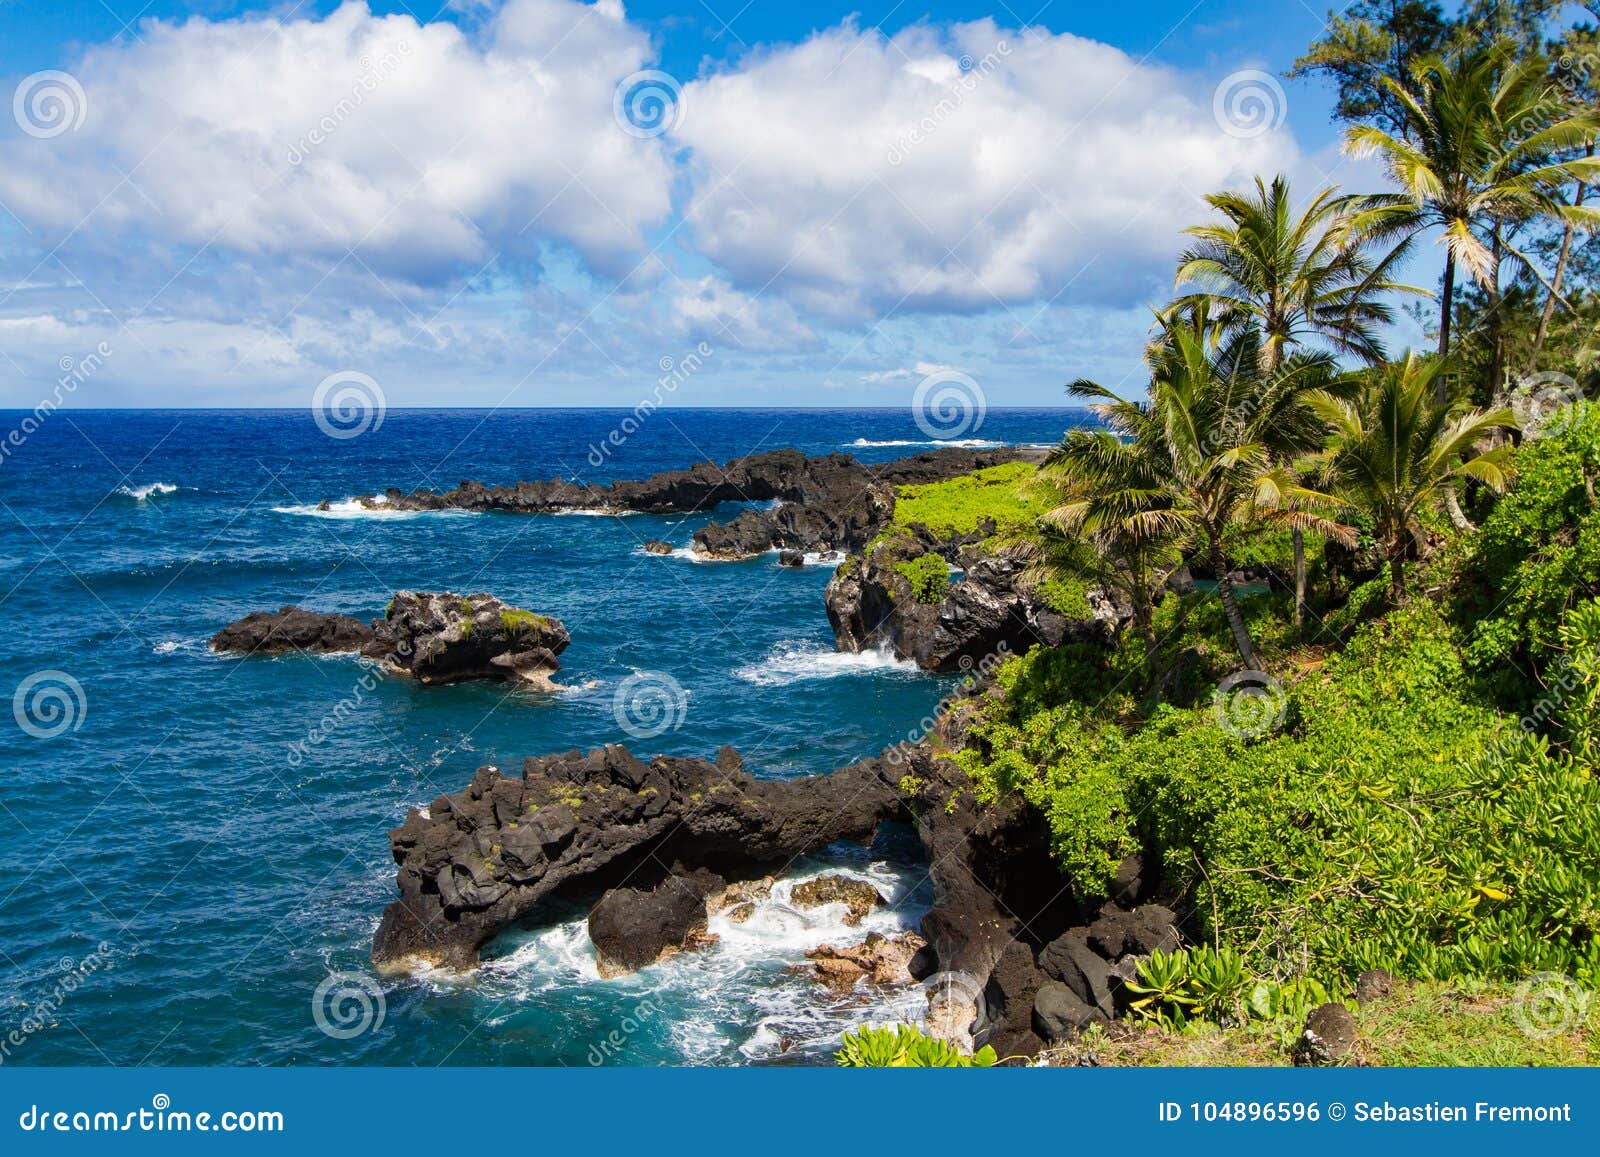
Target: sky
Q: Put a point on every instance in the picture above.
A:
(558, 203)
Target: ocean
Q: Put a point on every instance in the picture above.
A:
(194, 846)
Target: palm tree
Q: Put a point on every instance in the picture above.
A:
(1397, 451)
(1294, 276)
(1102, 478)
(1200, 456)
(1480, 128)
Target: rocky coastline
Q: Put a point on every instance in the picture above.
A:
(1012, 954)
(831, 502)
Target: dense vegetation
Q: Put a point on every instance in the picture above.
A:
(1386, 758)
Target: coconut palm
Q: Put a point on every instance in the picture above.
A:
(1295, 276)
(1481, 127)
(1100, 477)
(1201, 455)
(1397, 452)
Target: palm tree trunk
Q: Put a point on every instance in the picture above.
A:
(1230, 608)
(1444, 309)
(1299, 537)
(1452, 507)
(1497, 339)
(1397, 577)
(1549, 311)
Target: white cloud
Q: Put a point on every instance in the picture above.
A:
(424, 151)
(954, 169)
(710, 308)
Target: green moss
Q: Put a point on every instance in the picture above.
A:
(928, 575)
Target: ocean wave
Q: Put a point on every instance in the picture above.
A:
(793, 663)
(702, 998)
(142, 493)
(594, 512)
(351, 508)
(964, 443)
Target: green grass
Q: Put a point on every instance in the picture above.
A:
(1011, 495)
(1428, 1023)
(518, 622)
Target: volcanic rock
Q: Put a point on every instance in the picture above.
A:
(858, 896)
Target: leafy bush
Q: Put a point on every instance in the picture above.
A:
(928, 575)
(1213, 985)
(1538, 549)
(1393, 820)
(904, 1047)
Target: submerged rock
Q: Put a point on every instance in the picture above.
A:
(879, 959)
(858, 896)
(292, 629)
(433, 638)
(656, 546)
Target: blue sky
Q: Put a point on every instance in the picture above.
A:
(227, 202)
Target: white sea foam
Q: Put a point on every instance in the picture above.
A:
(702, 997)
(594, 512)
(351, 508)
(142, 493)
(794, 662)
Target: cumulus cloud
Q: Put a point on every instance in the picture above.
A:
(424, 151)
(954, 168)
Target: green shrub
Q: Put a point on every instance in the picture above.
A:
(1539, 548)
(928, 575)
(903, 1047)
(1213, 985)
(1394, 820)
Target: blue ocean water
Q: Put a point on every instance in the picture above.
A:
(180, 869)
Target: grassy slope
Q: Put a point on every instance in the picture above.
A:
(1422, 1024)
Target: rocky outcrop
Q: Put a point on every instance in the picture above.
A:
(480, 859)
(290, 629)
(433, 638)
(858, 896)
(634, 926)
(990, 609)
(879, 959)
(822, 503)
